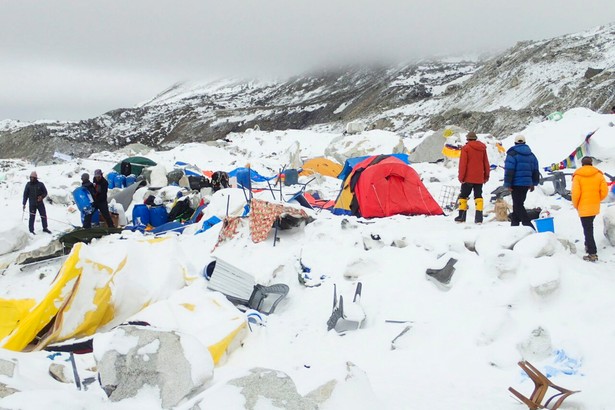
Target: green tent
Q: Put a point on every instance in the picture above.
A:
(136, 165)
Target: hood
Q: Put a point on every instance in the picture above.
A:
(520, 149)
(476, 145)
(587, 171)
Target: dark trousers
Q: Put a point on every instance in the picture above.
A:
(103, 208)
(467, 188)
(519, 213)
(40, 206)
(588, 231)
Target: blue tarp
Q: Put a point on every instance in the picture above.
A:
(351, 162)
(254, 176)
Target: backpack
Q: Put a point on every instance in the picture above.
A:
(219, 180)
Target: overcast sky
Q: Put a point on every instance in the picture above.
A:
(71, 60)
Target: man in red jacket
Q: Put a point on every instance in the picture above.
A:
(473, 173)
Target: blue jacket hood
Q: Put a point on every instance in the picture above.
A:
(521, 149)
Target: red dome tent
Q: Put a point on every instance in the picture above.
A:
(384, 185)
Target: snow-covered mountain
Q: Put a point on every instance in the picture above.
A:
(500, 95)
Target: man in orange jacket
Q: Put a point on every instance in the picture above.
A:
(473, 173)
(588, 189)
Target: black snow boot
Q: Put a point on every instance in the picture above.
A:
(461, 217)
(478, 217)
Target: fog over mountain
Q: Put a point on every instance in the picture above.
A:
(67, 60)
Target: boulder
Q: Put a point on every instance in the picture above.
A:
(609, 224)
(7, 367)
(130, 357)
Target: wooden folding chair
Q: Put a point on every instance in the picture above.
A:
(541, 386)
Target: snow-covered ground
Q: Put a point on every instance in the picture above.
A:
(537, 300)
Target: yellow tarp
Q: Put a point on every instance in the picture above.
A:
(40, 315)
(12, 311)
(321, 165)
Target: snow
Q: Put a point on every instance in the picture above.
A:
(514, 295)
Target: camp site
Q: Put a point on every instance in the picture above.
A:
(305, 269)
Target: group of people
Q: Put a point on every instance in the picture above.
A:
(522, 175)
(35, 192)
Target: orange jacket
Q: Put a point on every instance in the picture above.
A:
(588, 189)
(473, 163)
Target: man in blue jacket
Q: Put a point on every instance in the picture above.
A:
(521, 174)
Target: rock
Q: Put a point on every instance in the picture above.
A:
(373, 241)
(544, 276)
(609, 224)
(7, 367)
(60, 373)
(538, 245)
(592, 72)
(6, 391)
(537, 346)
(131, 357)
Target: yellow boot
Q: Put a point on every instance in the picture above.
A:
(478, 216)
(463, 209)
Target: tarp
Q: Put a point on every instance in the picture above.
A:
(254, 176)
(137, 164)
(322, 166)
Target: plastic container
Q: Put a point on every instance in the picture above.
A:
(111, 179)
(120, 181)
(544, 224)
(291, 177)
(95, 218)
(140, 215)
(131, 179)
(83, 199)
(158, 215)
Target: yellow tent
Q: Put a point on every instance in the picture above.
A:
(321, 165)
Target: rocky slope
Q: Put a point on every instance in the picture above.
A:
(500, 95)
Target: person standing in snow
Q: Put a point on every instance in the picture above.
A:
(34, 193)
(473, 173)
(98, 189)
(521, 175)
(589, 188)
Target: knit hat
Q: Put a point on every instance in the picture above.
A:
(85, 176)
(519, 139)
(471, 135)
(587, 161)
(33, 174)
(98, 172)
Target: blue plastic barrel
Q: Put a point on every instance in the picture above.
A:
(95, 217)
(111, 179)
(158, 215)
(131, 179)
(83, 199)
(140, 215)
(120, 181)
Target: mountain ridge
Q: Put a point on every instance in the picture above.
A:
(500, 95)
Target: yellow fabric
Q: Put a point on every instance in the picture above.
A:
(463, 204)
(39, 316)
(218, 349)
(345, 197)
(588, 189)
(479, 204)
(321, 166)
(451, 152)
(12, 311)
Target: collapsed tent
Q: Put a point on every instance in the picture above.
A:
(133, 165)
(322, 166)
(384, 185)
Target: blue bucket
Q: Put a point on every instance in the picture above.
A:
(111, 179)
(544, 224)
(140, 215)
(158, 215)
